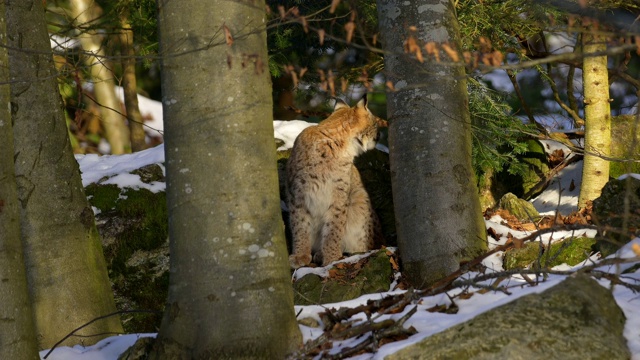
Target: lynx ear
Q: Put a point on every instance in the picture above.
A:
(340, 105)
(363, 102)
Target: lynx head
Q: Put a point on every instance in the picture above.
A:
(361, 124)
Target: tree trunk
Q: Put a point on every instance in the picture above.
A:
(66, 271)
(438, 215)
(85, 12)
(16, 328)
(230, 292)
(597, 117)
(129, 85)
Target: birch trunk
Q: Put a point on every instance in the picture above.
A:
(438, 216)
(100, 69)
(597, 116)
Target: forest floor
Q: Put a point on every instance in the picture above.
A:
(409, 316)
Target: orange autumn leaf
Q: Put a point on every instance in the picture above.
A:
(349, 27)
(227, 35)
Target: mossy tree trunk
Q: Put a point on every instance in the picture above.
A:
(230, 292)
(16, 328)
(597, 111)
(438, 215)
(66, 271)
(85, 13)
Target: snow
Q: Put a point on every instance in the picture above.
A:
(558, 197)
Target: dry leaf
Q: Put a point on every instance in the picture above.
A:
(413, 28)
(334, 5)
(227, 35)
(332, 85)
(321, 36)
(349, 27)
(374, 39)
(636, 249)
(451, 52)
(282, 12)
(343, 85)
(302, 72)
(305, 25)
(390, 85)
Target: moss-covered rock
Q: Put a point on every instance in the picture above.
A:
(133, 226)
(576, 319)
(524, 185)
(571, 251)
(622, 130)
(370, 275)
(521, 209)
(608, 211)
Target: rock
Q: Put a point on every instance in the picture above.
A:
(523, 185)
(133, 227)
(570, 251)
(139, 350)
(521, 209)
(576, 319)
(622, 130)
(608, 211)
(346, 281)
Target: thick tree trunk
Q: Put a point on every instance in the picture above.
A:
(66, 271)
(84, 12)
(129, 86)
(230, 293)
(438, 215)
(597, 117)
(16, 328)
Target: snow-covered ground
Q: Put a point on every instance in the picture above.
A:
(557, 197)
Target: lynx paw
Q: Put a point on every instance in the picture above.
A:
(299, 260)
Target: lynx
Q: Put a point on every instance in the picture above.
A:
(330, 210)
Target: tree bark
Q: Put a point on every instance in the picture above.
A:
(16, 328)
(597, 117)
(129, 86)
(66, 271)
(438, 215)
(230, 292)
(100, 69)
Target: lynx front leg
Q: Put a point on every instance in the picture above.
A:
(300, 223)
(334, 227)
(363, 226)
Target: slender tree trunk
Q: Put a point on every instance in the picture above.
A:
(230, 293)
(16, 328)
(597, 117)
(129, 86)
(100, 69)
(438, 215)
(66, 271)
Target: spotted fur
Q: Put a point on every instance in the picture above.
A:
(330, 210)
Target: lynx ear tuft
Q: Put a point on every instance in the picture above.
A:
(340, 105)
(363, 102)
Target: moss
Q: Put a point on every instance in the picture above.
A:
(348, 282)
(622, 130)
(103, 197)
(570, 251)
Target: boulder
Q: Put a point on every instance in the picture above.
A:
(571, 251)
(346, 281)
(608, 211)
(576, 319)
(521, 209)
(133, 226)
(622, 130)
